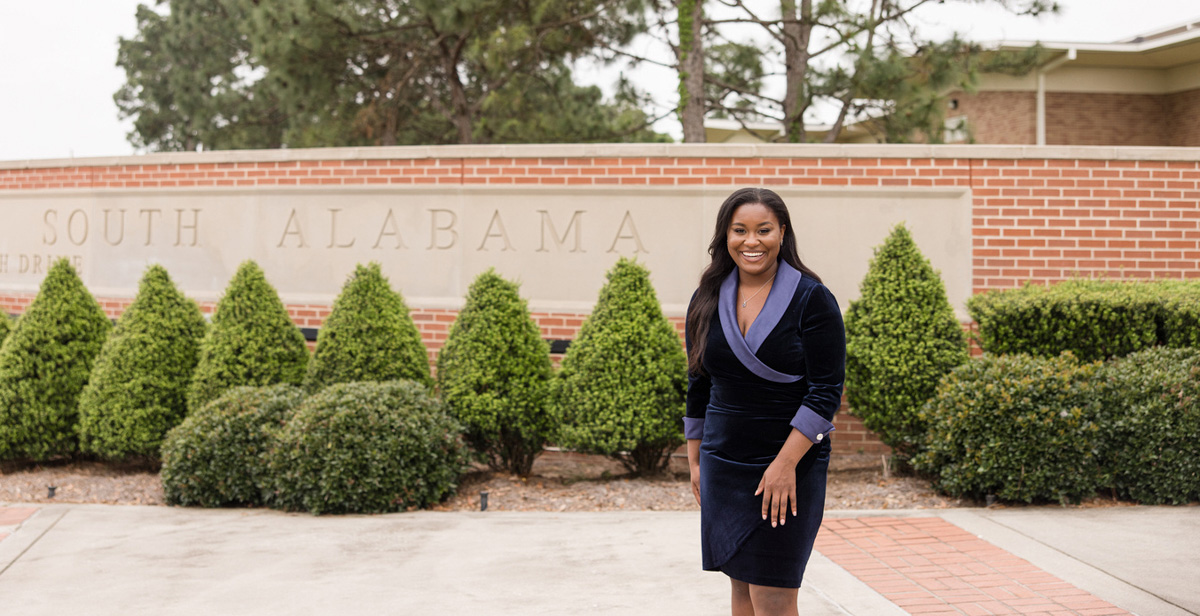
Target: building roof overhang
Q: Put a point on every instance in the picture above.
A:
(1175, 46)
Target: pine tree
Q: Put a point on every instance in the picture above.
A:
(252, 340)
(493, 375)
(44, 365)
(369, 336)
(138, 388)
(622, 385)
(901, 338)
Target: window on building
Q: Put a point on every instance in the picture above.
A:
(954, 130)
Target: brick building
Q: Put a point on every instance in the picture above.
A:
(1144, 91)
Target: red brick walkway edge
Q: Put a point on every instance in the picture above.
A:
(930, 566)
(12, 517)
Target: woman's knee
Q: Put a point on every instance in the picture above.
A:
(770, 600)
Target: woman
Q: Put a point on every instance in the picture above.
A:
(766, 357)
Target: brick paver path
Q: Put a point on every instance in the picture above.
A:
(930, 566)
(12, 517)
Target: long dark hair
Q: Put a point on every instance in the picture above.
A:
(705, 304)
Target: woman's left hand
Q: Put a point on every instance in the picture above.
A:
(778, 489)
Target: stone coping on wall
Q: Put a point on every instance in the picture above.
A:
(668, 150)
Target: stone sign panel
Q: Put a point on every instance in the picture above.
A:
(433, 241)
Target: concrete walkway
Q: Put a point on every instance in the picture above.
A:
(99, 559)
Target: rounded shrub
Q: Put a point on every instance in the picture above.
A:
(1020, 427)
(368, 336)
(901, 338)
(252, 341)
(138, 387)
(493, 375)
(218, 456)
(1152, 425)
(367, 448)
(620, 391)
(44, 365)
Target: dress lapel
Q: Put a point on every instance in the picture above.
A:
(744, 348)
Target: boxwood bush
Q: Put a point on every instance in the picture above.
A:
(368, 336)
(901, 338)
(367, 448)
(252, 341)
(138, 388)
(44, 365)
(1151, 439)
(1181, 315)
(1020, 427)
(218, 456)
(1094, 319)
(493, 375)
(621, 388)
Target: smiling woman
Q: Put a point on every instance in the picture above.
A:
(766, 357)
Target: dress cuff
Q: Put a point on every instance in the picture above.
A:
(812, 425)
(693, 428)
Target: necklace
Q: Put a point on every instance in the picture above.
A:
(747, 300)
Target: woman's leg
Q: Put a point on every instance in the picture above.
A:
(741, 598)
(773, 601)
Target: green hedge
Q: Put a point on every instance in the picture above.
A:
(1093, 319)
(1151, 445)
(367, 448)
(44, 365)
(368, 336)
(1181, 315)
(901, 337)
(621, 388)
(218, 456)
(252, 341)
(494, 372)
(1020, 427)
(138, 388)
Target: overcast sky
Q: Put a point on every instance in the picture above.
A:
(58, 72)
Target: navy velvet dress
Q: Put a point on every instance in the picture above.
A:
(786, 373)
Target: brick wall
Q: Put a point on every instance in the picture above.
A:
(1183, 111)
(998, 117)
(1100, 118)
(1083, 118)
(1040, 218)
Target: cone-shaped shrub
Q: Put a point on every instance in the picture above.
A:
(252, 341)
(621, 388)
(218, 456)
(493, 375)
(45, 364)
(368, 336)
(367, 448)
(901, 338)
(138, 388)
(5, 326)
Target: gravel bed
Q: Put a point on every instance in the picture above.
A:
(560, 481)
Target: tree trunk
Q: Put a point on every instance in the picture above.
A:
(797, 29)
(691, 70)
(460, 108)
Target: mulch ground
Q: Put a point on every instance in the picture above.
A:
(560, 481)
